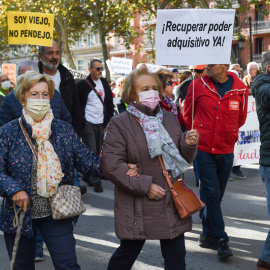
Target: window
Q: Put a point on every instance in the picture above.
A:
(90, 39)
(259, 13)
(81, 65)
(79, 42)
(259, 45)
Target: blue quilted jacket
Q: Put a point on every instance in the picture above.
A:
(16, 165)
(11, 108)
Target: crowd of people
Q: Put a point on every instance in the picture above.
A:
(194, 117)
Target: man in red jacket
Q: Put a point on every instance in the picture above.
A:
(220, 109)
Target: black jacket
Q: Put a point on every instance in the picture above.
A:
(182, 89)
(83, 92)
(260, 89)
(70, 96)
(11, 108)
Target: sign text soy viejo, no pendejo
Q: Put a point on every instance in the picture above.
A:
(30, 28)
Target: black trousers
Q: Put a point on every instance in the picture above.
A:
(92, 137)
(173, 252)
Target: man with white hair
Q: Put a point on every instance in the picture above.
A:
(237, 68)
(252, 69)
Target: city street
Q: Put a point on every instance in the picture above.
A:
(245, 214)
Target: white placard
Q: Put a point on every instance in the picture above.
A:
(248, 145)
(194, 36)
(121, 65)
(152, 67)
(77, 74)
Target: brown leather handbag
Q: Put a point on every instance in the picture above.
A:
(186, 201)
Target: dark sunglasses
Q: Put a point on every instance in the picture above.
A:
(100, 68)
(199, 70)
(169, 83)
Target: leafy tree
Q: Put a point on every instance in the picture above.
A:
(112, 17)
(71, 19)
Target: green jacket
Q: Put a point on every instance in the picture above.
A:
(261, 91)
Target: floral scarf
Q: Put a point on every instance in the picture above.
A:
(49, 172)
(171, 104)
(159, 141)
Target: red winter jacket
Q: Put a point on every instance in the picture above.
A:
(216, 119)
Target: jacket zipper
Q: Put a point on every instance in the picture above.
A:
(205, 84)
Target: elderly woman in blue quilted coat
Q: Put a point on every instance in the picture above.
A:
(24, 179)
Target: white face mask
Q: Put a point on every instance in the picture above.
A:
(5, 85)
(37, 108)
(149, 98)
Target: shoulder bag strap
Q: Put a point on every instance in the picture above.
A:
(28, 139)
(96, 92)
(165, 172)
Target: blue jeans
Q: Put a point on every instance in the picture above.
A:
(265, 174)
(173, 251)
(59, 239)
(214, 170)
(39, 238)
(196, 170)
(76, 178)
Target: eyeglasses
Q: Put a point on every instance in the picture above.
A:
(99, 68)
(199, 70)
(169, 83)
(251, 69)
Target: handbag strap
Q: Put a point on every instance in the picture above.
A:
(28, 139)
(96, 92)
(165, 172)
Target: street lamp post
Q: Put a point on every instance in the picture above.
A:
(250, 40)
(241, 46)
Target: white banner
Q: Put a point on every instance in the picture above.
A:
(248, 145)
(121, 65)
(194, 36)
(77, 74)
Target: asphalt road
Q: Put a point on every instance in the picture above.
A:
(245, 214)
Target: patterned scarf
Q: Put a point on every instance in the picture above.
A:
(49, 172)
(171, 104)
(159, 141)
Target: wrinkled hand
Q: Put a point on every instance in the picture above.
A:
(21, 199)
(192, 137)
(133, 170)
(155, 192)
(181, 106)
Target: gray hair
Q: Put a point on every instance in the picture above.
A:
(28, 63)
(92, 62)
(41, 48)
(266, 62)
(252, 64)
(233, 65)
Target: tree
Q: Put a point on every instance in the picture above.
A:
(112, 17)
(71, 19)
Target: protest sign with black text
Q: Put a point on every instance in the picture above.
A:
(30, 28)
(194, 36)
